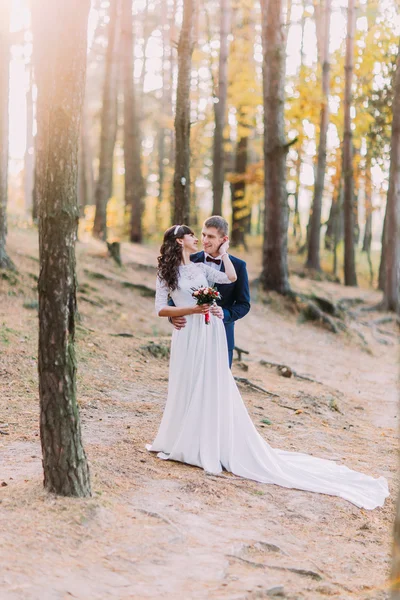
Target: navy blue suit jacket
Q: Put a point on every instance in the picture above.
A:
(235, 297)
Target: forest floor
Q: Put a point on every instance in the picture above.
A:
(156, 529)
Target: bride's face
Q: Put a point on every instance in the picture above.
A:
(189, 242)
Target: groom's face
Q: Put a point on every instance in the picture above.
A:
(212, 239)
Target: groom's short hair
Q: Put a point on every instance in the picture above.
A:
(219, 223)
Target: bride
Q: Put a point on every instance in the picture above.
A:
(205, 422)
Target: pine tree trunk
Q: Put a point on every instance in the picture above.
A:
(275, 269)
(220, 109)
(296, 213)
(382, 264)
(337, 219)
(391, 293)
(368, 206)
(134, 185)
(60, 77)
(182, 118)
(313, 255)
(5, 261)
(350, 277)
(240, 206)
(108, 127)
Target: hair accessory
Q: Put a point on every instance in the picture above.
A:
(177, 228)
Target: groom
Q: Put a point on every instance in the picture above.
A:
(235, 297)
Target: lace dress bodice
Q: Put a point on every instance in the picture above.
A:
(191, 276)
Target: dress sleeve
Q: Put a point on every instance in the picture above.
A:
(162, 293)
(214, 276)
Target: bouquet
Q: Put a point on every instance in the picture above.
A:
(206, 295)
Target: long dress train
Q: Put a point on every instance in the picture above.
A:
(206, 424)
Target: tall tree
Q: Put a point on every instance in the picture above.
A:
(5, 261)
(60, 78)
(181, 212)
(313, 258)
(350, 276)
(391, 293)
(220, 109)
(275, 269)
(108, 126)
(368, 204)
(134, 185)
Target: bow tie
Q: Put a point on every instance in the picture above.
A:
(217, 261)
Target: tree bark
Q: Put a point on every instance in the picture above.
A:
(108, 127)
(313, 255)
(350, 276)
(368, 205)
(391, 293)
(382, 264)
(60, 77)
(220, 109)
(5, 261)
(134, 184)
(182, 119)
(275, 269)
(240, 206)
(296, 213)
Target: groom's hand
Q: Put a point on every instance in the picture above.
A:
(217, 311)
(178, 322)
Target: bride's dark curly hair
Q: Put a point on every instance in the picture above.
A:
(171, 255)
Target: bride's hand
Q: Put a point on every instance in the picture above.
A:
(200, 309)
(223, 249)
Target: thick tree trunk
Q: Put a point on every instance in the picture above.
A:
(240, 206)
(391, 293)
(134, 185)
(313, 257)
(60, 77)
(220, 109)
(182, 119)
(275, 269)
(5, 261)
(350, 276)
(108, 127)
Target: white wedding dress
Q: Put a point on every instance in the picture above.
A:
(206, 424)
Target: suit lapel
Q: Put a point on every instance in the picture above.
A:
(198, 257)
